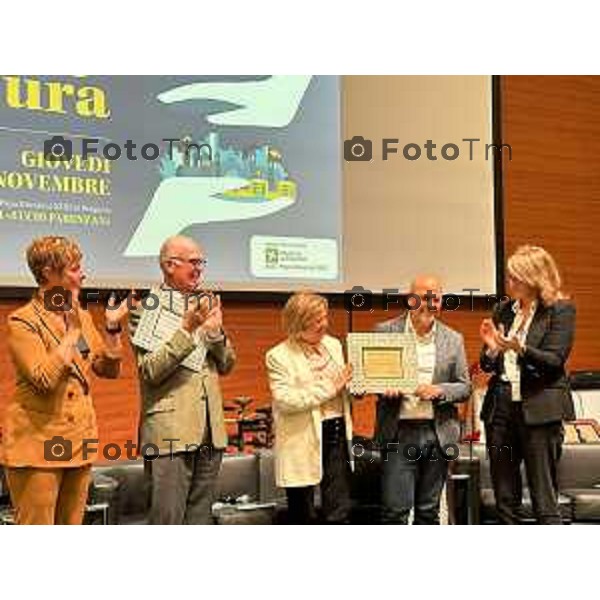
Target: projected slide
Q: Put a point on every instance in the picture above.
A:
(247, 165)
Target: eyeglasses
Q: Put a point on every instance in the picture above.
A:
(195, 262)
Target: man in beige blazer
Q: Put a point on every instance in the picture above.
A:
(182, 409)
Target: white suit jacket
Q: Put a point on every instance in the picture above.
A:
(297, 399)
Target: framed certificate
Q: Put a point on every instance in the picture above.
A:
(158, 324)
(382, 361)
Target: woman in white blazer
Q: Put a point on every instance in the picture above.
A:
(311, 412)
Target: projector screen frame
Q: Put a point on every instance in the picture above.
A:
(266, 295)
(497, 139)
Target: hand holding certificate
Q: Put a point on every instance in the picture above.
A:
(419, 404)
(342, 379)
(381, 362)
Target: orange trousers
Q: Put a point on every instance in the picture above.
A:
(48, 496)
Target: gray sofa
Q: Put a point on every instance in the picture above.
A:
(471, 496)
(122, 486)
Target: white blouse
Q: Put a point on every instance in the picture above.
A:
(519, 329)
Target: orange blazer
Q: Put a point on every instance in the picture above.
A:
(51, 398)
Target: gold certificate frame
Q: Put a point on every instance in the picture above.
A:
(382, 361)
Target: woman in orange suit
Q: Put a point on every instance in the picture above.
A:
(55, 347)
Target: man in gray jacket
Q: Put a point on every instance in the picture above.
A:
(417, 430)
(182, 406)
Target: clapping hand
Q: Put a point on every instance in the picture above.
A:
(211, 314)
(73, 322)
(67, 347)
(204, 313)
(117, 311)
(193, 317)
(509, 343)
(490, 334)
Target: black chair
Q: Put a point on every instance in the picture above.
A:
(579, 478)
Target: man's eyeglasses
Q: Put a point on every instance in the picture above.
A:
(195, 262)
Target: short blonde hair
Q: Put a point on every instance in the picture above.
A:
(535, 267)
(300, 308)
(52, 251)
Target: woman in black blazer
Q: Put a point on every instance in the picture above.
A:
(526, 345)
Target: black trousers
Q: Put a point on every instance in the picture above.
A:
(335, 484)
(510, 441)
